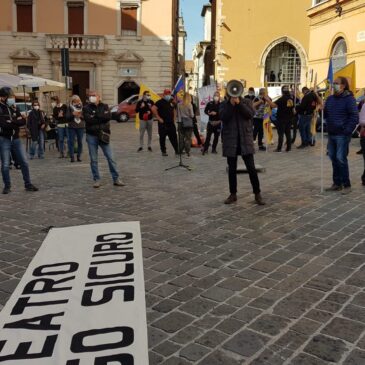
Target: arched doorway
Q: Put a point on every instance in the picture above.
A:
(283, 65)
(127, 89)
(339, 54)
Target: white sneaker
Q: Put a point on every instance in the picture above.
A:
(118, 183)
(96, 184)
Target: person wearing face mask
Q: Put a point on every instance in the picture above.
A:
(59, 116)
(214, 124)
(305, 110)
(285, 107)
(97, 118)
(342, 116)
(259, 105)
(251, 94)
(144, 109)
(76, 126)
(10, 122)
(164, 111)
(36, 126)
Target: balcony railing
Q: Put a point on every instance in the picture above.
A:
(76, 42)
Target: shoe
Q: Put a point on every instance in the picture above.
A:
(204, 152)
(79, 159)
(301, 146)
(259, 200)
(231, 199)
(31, 188)
(277, 150)
(61, 156)
(96, 184)
(6, 190)
(140, 149)
(346, 190)
(334, 187)
(118, 183)
(72, 159)
(288, 150)
(150, 149)
(312, 144)
(214, 151)
(262, 148)
(359, 152)
(164, 154)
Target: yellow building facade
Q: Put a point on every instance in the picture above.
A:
(287, 41)
(337, 31)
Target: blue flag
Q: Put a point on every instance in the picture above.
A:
(179, 90)
(330, 73)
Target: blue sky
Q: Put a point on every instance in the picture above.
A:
(191, 10)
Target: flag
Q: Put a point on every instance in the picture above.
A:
(349, 72)
(330, 73)
(267, 125)
(179, 90)
(154, 98)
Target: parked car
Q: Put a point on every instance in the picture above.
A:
(114, 111)
(126, 109)
(24, 108)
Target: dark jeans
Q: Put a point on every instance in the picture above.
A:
(305, 122)
(258, 130)
(167, 130)
(295, 128)
(197, 134)
(79, 134)
(284, 127)
(212, 130)
(338, 150)
(232, 173)
(362, 142)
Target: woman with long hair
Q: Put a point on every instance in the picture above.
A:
(185, 115)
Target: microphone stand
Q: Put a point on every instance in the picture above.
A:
(181, 164)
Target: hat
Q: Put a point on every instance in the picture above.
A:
(5, 92)
(167, 92)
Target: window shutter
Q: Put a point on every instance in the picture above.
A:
(24, 14)
(75, 18)
(129, 19)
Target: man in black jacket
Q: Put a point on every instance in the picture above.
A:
(144, 109)
(10, 122)
(97, 118)
(214, 124)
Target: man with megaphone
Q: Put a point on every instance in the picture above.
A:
(237, 136)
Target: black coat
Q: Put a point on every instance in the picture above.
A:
(34, 123)
(97, 118)
(10, 121)
(237, 131)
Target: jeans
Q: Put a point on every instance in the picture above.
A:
(284, 127)
(295, 128)
(258, 130)
(62, 134)
(79, 134)
(185, 139)
(40, 143)
(212, 130)
(232, 173)
(362, 141)
(93, 145)
(16, 146)
(145, 125)
(169, 130)
(338, 150)
(305, 122)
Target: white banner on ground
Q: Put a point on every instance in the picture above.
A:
(80, 302)
(205, 95)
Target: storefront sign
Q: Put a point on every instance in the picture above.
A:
(80, 302)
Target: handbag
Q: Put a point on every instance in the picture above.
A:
(104, 137)
(187, 122)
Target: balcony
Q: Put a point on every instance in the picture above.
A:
(75, 42)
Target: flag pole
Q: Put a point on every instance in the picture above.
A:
(322, 147)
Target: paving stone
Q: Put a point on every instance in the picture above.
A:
(319, 316)
(176, 361)
(345, 329)
(198, 306)
(354, 312)
(351, 260)
(194, 352)
(246, 343)
(223, 310)
(186, 294)
(272, 356)
(247, 314)
(219, 358)
(173, 322)
(187, 334)
(269, 324)
(218, 294)
(230, 326)
(359, 300)
(212, 339)
(326, 348)
(356, 357)
(166, 305)
(154, 358)
(305, 359)
(166, 348)
(235, 284)
(306, 326)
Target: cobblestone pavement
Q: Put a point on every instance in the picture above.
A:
(241, 284)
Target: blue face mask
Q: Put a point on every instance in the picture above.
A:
(167, 97)
(11, 101)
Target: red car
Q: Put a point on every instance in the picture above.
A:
(125, 110)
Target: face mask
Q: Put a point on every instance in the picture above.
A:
(11, 101)
(251, 94)
(92, 99)
(216, 98)
(53, 104)
(36, 107)
(167, 97)
(336, 88)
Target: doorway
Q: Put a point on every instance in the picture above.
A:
(80, 83)
(127, 89)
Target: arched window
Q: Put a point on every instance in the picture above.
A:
(339, 54)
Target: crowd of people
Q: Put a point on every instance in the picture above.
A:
(237, 120)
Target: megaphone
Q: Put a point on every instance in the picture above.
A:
(235, 88)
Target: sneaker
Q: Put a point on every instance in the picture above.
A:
(31, 188)
(96, 184)
(6, 190)
(150, 149)
(231, 199)
(259, 200)
(118, 183)
(334, 187)
(140, 149)
(301, 146)
(346, 190)
(164, 154)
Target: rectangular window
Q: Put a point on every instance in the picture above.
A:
(23, 69)
(129, 21)
(24, 15)
(75, 17)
